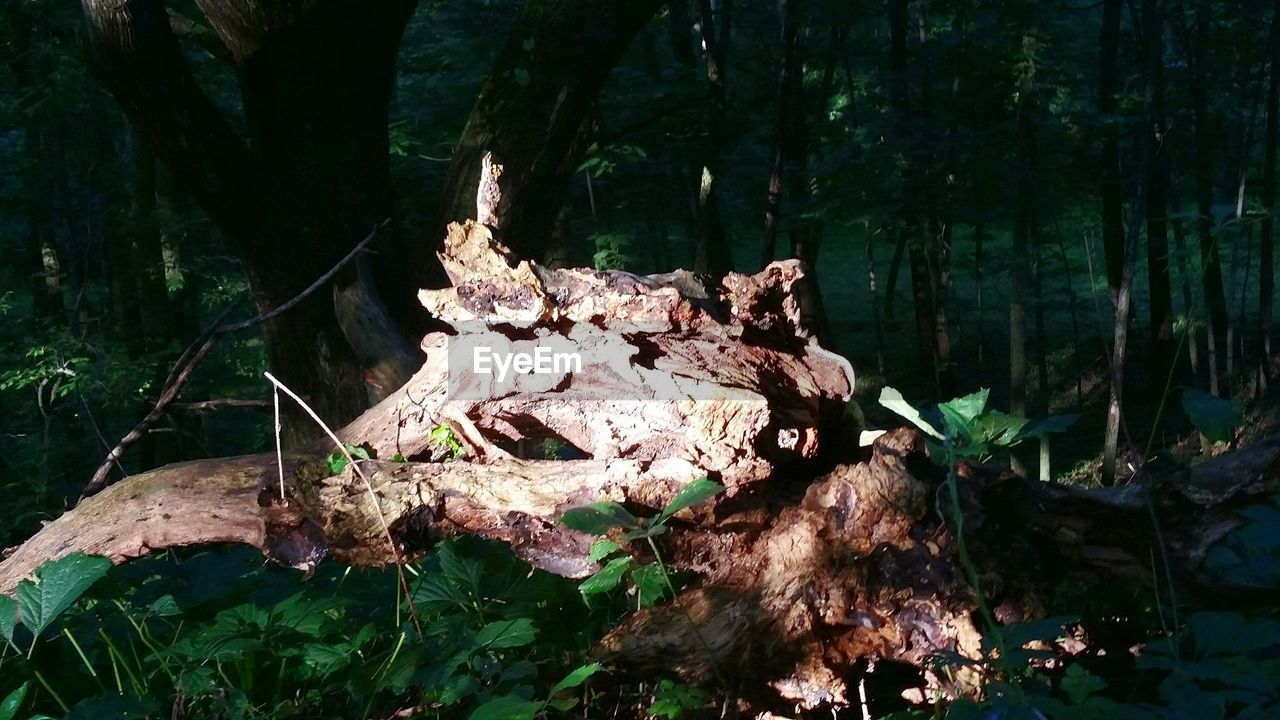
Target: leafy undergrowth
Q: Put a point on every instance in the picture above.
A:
(219, 635)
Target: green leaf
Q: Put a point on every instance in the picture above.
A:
(607, 578)
(164, 606)
(893, 400)
(506, 634)
(573, 679)
(1000, 429)
(58, 584)
(957, 425)
(9, 706)
(507, 707)
(967, 408)
(695, 492)
(598, 518)
(1216, 417)
(650, 585)
(644, 532)
(337, 460)
(1051, 424)
(601, 549)
(8, 619)
(1079, 684)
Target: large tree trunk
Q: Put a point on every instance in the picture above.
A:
(533, 113)
(795, 590)
(298, 196)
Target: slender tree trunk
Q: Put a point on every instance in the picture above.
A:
(891, 283)
(1157, 201)
(1020, 262)
(875, 296)
(912, 239)
(1112, 192)
(1189, 309)
(787, 107)
(713, 246)
(1120, 341)
(979, 235)
(1266, 260)
(1197, 51)
(1075, 317)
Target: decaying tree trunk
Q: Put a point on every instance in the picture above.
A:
(801, 579)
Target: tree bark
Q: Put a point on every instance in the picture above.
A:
(301, 193)
(1112, 192)
(1157, 199)
(533, 114)
(713, 253)
(795, 593)
(1020, 257)
(1197, 52)
(1266, 260)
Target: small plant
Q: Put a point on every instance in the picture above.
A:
(443, 437)
(337, 461)
(650, 580)
(1216, 418)
(673, 699)
(969, 428)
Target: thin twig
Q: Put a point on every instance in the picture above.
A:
(373, 496)
(99, 479)
(197, 351)
(275, 399)
(313, 287)
(218, 404)
(88, 414)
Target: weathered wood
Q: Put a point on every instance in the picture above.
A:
(819, 557)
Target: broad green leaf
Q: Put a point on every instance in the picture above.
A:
(695, 492)
(1216, 417)
(164, 606)
(8, 618)
(607, 578)
(9, 706)
(506, 634)
(893, 400)
(577, 677)
(958, 425)
(58, 584)
(507, 707)
(649, 583)
(598, 518)
(601, 549)
(1046, 426)
(967, 408)
(327, 658)
(1000, 429)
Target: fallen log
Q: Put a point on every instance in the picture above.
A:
(820, 555)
